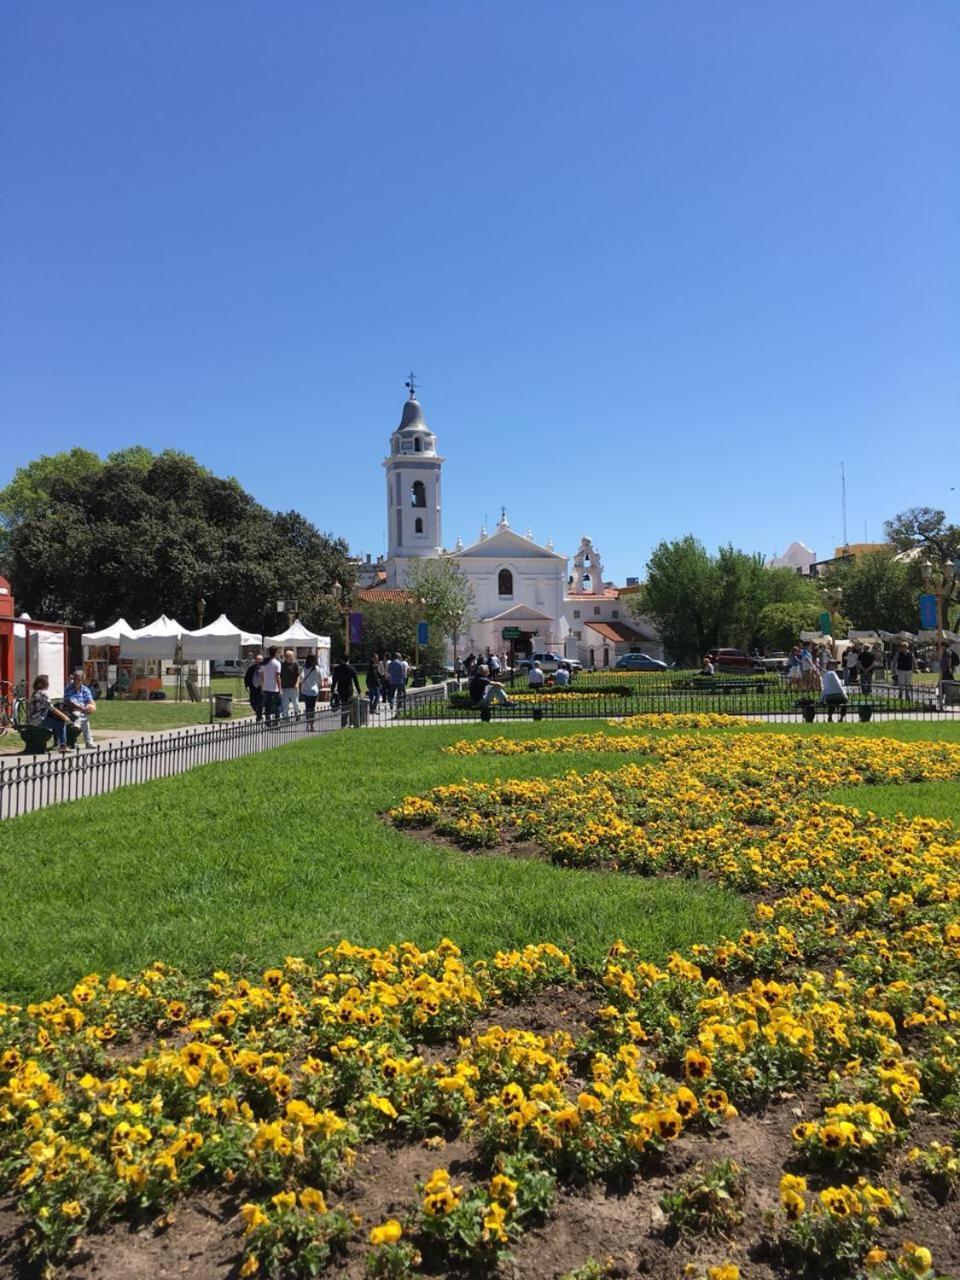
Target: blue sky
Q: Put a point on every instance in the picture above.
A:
(659, 265)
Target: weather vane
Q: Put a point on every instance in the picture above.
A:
(412, 385)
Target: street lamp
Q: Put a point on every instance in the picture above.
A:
(938, 579)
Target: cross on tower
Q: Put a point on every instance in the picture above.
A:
(411, 384)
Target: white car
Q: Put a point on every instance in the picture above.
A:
(549, 662)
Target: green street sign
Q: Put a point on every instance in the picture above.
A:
(510, 633)
(826, 626)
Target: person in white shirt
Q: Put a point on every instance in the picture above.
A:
(535, 678)
(833, 692)
(270, 684)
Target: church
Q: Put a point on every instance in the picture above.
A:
(518, 585)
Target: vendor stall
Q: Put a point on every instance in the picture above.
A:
(302, 641)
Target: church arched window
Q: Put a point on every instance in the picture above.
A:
(418, 494)
(505, 583)
(416, 444)
(418, 525)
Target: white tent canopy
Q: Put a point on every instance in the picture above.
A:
(218, 639)
(107, 635)
(298, 637)
(159, 639)
(250, 641)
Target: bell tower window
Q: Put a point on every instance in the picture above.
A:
(504, 583)
(418, 494)
(416, 444)
(418, 525)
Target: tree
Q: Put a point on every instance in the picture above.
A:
(683, 595)
(699, 601)
(390, 628)
(781, 622)
(136, 540)
(925, 529)
(444, 596)
(878, 591)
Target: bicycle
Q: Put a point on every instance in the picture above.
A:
(13, 708)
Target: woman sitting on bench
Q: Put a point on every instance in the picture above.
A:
(42, 714)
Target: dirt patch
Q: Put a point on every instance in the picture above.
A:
(559, 1008)
(202, 1242)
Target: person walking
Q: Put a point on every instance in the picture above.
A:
(41, 713)
(251, 681)
(80, 705)
(345, 687)
(868, 663)
(904, 664)
(289, 684)
(373, 683)
(270, 684)
(808, 669)
(310, 685)
(396, 681)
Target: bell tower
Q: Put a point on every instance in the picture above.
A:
(413, 490)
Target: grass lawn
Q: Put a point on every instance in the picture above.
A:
(244, 862)
(248, 861)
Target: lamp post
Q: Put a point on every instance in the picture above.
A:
(938, 579)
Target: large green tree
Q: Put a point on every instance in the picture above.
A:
(141, 534)
(682, 595)
(699, 601)
(878, 591)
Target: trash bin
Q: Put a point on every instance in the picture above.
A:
(223, 705)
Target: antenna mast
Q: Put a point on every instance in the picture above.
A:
(843, 504)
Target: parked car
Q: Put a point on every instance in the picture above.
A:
(734, 660)
(776, 661)
(549, 662)
(229, 666)
(639, 662)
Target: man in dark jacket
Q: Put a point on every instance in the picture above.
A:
(251, 680)
(346, 685)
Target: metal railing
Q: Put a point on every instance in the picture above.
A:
(33, 782)
(777, 700)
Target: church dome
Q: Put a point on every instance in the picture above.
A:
(412, 416)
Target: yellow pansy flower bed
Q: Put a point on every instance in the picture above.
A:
(127, 1093)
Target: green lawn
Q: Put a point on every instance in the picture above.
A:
(245, 862)
(242, 863)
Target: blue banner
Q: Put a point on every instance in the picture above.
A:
(423, 632)
(356, 628)
(928, 612)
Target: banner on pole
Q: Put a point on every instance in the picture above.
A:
(423, 633)
(826, 626)
(928, 612)
(356, 628)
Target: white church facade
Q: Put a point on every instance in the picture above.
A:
(518, 585)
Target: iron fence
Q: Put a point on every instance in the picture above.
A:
(778, 701)
(33, 782)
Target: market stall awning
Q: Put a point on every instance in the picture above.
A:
(159, 639)
(218, 639)
(107, 635)
(298, 637)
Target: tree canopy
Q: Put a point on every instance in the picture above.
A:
(878, 591)
(139, 534)
(443, 595)
(699, 601)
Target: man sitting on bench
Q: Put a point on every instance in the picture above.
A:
(483, 690)
(833, 692)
